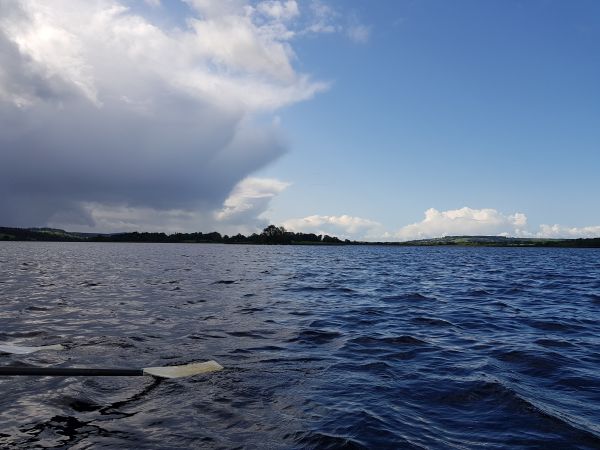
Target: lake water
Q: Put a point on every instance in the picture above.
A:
(324, 347)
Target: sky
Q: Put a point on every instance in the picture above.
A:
(389, 120)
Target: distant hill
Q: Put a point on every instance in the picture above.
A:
(37, 234)
(278, 235)
(501, 241)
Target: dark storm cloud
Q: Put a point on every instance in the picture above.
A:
(109, 155)
(99, 107)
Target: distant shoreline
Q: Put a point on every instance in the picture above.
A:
(273, 235)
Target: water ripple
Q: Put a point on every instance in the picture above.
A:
(324, 347)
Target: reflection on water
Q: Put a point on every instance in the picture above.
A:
(324, 347)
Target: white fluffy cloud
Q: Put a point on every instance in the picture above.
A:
(560, 231)
(457, 222)
(464, 221)
(342, 226)
(249, 201)
(487, 221)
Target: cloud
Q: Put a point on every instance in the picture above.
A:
(236, 43)
(121, 217)
(153, 3)
(108, 120)
(457, 222)
(359, 33)
(464, 221)
(487, 221)
(325, 18)
(559, 231)
(356, 31)
(342, 226)
(210, 9)
(249, 201)
(244, 211)
(279, 10)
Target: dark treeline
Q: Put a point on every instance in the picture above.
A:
(270, 235)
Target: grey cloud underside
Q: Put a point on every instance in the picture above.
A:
(105, 155)
(178, 153)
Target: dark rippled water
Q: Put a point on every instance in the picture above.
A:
(324, 347)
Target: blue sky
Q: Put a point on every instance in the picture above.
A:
(371, 120)
(452, 104)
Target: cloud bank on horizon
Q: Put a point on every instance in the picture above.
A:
(458, 222)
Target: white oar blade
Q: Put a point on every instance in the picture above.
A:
(20, 350)
(186, 370)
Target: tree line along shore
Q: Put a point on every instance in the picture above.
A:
(274, 235)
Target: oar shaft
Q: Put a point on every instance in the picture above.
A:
(70, 372)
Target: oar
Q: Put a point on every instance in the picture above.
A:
(19, 350)
(185, 370)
